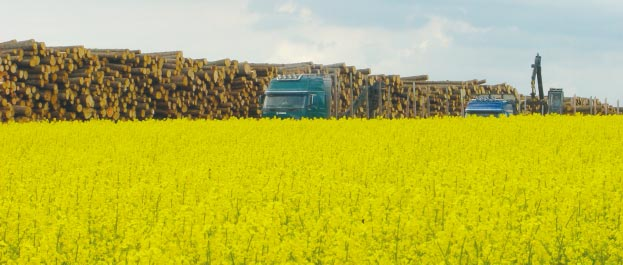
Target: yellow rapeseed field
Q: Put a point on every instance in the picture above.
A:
(527, 189)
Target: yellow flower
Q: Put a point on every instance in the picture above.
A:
(524, 189)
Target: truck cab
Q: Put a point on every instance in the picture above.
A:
(486, 107)
(555, 102)
(298, 96)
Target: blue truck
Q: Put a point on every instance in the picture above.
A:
(486, 107)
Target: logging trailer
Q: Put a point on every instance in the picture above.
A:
(297, 96)
(314, 96)
(555, 96)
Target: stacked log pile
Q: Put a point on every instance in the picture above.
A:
(69, 83)
(588, 106)
(575, 105)
(76, 83)
(443, 98)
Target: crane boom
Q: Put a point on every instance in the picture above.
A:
(536, 73)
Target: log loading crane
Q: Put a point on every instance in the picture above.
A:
(536, 73)
(555, 96)
(497, 105)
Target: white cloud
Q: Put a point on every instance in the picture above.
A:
(306, 14)
(212, 29)
(599, 4)
(287, 8)
(218, 29)
(297, 12)
(457, 26)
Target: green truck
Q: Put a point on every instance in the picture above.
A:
(298, 96)
(316, 96)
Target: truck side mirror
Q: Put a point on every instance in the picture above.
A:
(311, 99)
(261, 99)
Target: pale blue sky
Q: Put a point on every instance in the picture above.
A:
(580, 41)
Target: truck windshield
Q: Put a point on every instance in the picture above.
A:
(284, 101)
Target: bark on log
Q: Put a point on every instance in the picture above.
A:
(71, 82)
(26, 45)
(415, 78)
(223, 62)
